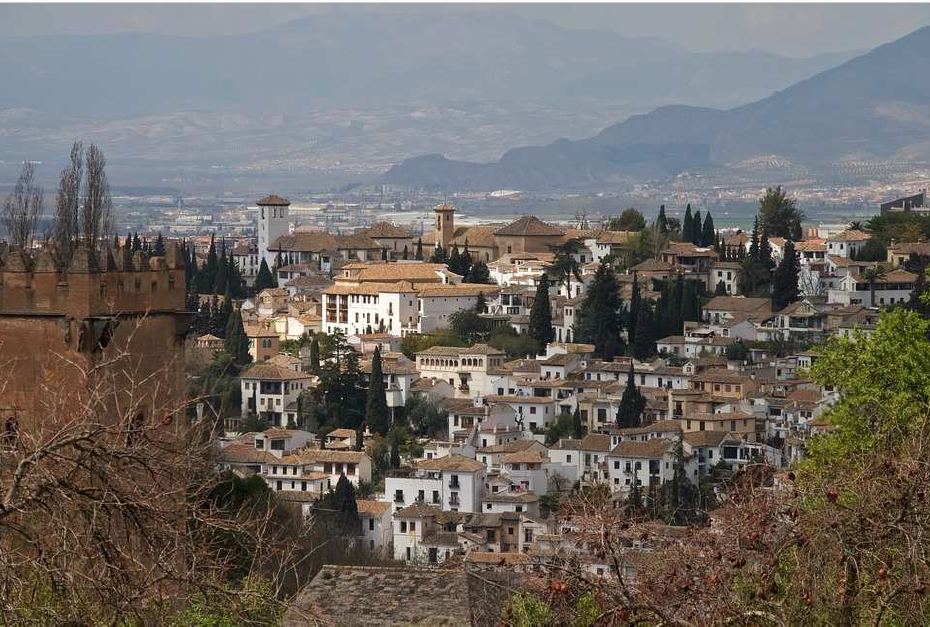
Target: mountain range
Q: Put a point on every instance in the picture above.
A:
(352, 90)
(874, 107)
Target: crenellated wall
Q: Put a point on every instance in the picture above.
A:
(119, 318)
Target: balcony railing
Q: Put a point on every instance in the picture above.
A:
(454, 501)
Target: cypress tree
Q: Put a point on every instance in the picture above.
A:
(263, 280)
(384, 255)
(633, 314)
(394, 458)
(754, 241)
(577, 426)
(376, 409)
(785, 279)
(662, 221)
(405, 253)
(419, 253)
(439, 255)
(237, 343)
(696, 229)
(632, 404)
(467, 261)
(644, 341)
(455, 260)
(720, 289)
(315, 355)
(481, 303)
(540, 325)
(687, 225)
(765, 252)
(136, 242)
(709, 235)
(159, 248)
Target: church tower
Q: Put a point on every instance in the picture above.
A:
(272, 224)
(445, 224)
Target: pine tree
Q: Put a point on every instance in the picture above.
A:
(632, 404)
(419, 254)
(376, 410)
(687, 225)
(540, 325)
(697, 229)
(785, 279)
(315, 355)
(598, 319)
(159, 248)
(709, 236)
(662, 221)
(237, 343)
(263, 280)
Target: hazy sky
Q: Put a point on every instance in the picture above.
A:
(791, 29)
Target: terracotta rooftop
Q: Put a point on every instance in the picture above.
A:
(372, 508)
(269, 371)
(273, 199)
(458, 463)
(650, 449)
(528, 225)
(386, 230)
(477, 349)
(738, 303)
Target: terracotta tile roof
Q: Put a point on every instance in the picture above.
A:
(458, 463)
(273, 199)
(314, 455)
(652, 265)
(850, 235)
(499, 559)
(511, 398)
(655, 448)
(723, 375)
(454, 291)
(418, 510)
(272, 372)
(707, 438)
(511, 497)
(372, 508)
(245, 453)
(525, 457)
(614, 237)
(477, 349)
(529, 225)
(738, 303)
(595, 442)
(721, 416)
(386, 230)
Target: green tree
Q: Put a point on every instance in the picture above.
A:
(340, 509)
(662, 221)
(578, 428)
(721, 288)
(419, 254)
(629, 220)
(236, 342)
(697, 229)
(785, 279)
(779, 215)
(376, 410)
(315, 354)
(644, 339)
(264, 278)
(872, 250)
(425, 418)
(439, 254)
(479, 273)
(597, 319)
(540, 325)
(455, 260)
(632, 404)
(709, 233)
(159, 248)
(405, 254)
(565, 263)
(687, 225)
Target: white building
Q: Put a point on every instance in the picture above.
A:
(273, 222)
(893, 288)
(270, 391)
(451, 483)
(377, 532)
(646, 464)
(466, 369)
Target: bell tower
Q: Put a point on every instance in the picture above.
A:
(445, 224)
(273, 222)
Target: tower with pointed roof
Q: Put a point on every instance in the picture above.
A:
(445, 224)
(273, 222)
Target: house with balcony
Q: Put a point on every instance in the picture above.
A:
(847, 243)
(891, 288)
(270, 392)
(467, 369)
(451, 483)
(644, 464)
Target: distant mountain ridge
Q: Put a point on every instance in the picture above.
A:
(874, 106)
